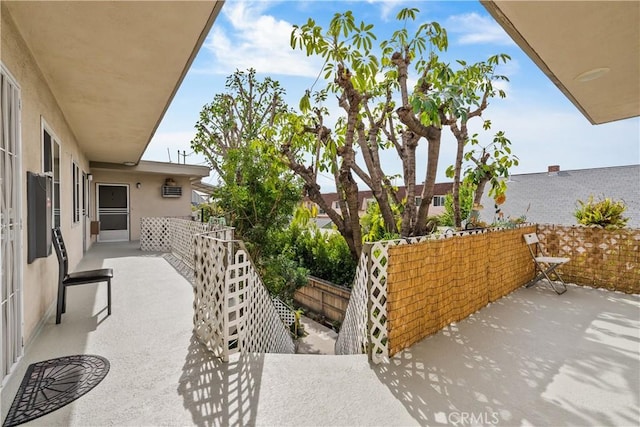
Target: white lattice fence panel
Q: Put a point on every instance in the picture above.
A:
(377, 305)
(284, 311)
(237, 285)
(154, 234)
(598, 257)
(264, 330)
(209, 295)
(353, 337)
(182, 234)
(378, 298)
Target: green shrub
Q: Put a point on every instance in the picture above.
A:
(373, 226)
(324, 255)
(605, 213)
(282, 276)
(466, 204)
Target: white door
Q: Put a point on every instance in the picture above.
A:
(113, 212)
(10, 225)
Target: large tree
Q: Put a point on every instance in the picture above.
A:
(256, 191)
(380, 112)
(237, 117)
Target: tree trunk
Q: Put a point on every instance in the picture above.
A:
(457, 217)
(461, 138)
(477, 197)
(433, 155)
(352, 222)
(372, 161)
(344, 220)
(409, 144)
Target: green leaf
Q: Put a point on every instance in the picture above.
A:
(450, 172)
(305, 104)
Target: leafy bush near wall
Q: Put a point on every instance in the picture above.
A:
(324, 254)
(605, 213)
(466, 204)
(282, 276)
(373, 226)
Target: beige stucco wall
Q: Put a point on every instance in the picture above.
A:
(38, 102)
(146, 200)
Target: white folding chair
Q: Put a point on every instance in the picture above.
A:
(545, 265)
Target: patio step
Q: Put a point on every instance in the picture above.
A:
(307, 389)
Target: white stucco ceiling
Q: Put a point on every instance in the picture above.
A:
(113, 66)
(568, 38)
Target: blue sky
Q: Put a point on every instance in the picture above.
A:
(544, 127)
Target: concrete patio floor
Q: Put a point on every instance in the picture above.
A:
(531, 358)
(318, 338)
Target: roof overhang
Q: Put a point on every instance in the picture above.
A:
(158, 168)
(589, 49)
(113, 66)
(203, 187)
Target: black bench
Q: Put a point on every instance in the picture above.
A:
(76, 278)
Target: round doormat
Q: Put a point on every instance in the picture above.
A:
(54, 383)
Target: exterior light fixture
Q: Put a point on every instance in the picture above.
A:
(129, 163)
(592, 74)
(138, 185)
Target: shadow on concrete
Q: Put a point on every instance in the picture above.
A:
(183, 269)
(217, 393)
(531, 358)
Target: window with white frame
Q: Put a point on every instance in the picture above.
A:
(438, 200)
(51, 167)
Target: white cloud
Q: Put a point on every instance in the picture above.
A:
(544, 135)
(386, 7)
(505, 86)
(473, 28)
(253, 39)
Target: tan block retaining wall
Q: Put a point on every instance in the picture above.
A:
(599, 258)
(437, 282)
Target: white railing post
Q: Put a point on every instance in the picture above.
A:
(233, 310)
(353, 336)
(210, 295)
(377, 301)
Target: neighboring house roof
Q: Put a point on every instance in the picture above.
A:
(323, 222)
(441, 189)
(113, 67)
(203, 187)
(589, 49)
(551, 198)
(197, 199)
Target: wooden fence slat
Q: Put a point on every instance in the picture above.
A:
(324, 298)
